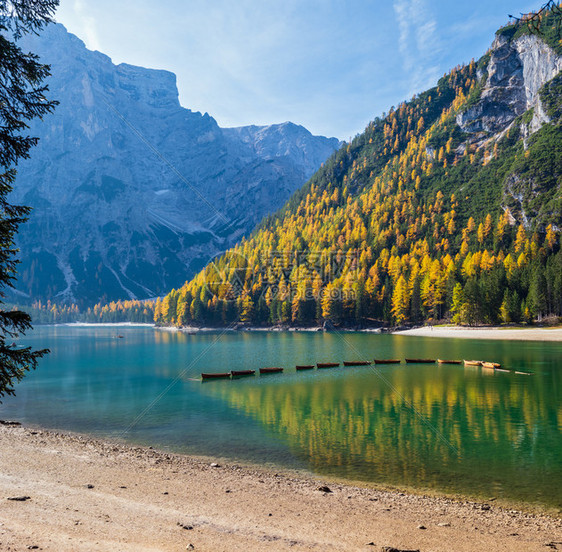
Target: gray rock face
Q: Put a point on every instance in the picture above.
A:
(516, 72)
(133, 193)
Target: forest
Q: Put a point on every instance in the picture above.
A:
(413, 221)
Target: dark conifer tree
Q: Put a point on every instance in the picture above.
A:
(537, 294)
(22, 98)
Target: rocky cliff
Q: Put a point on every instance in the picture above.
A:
(131, 192)
(516, 72)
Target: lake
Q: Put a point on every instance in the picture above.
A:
(447, 428)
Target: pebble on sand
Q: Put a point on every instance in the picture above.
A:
(392, 549)
(185, 526)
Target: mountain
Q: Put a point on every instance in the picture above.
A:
(448, 207)
(133, 193)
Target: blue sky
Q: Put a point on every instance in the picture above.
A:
(330, 65)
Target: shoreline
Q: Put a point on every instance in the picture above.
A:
(462, 332)
(91, 494)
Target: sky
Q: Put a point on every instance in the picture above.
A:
(329, 65)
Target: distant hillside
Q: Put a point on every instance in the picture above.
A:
(133, 193)
(449, 206)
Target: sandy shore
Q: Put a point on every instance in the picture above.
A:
(88, 495)
(519, 334)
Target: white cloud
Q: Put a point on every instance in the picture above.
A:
(401, 10)
(418, 42)
(88, 23)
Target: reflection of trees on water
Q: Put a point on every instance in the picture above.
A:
(459, 429)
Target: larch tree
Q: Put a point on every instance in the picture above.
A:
(22, 98)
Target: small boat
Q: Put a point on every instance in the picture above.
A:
(272, 370)
(387, 361)
(242, 372)
(473, 363)
(449, 361)
(219, 375)
(328, 364)
(502, 370)
(491, 365)
(357, 363)
(304, 366)
(420, 360)
(524, 373)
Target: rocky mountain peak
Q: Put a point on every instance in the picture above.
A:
(132, 192)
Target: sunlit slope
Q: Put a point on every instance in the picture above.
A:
(449, 206)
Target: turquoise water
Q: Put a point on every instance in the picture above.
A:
(447, 428)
